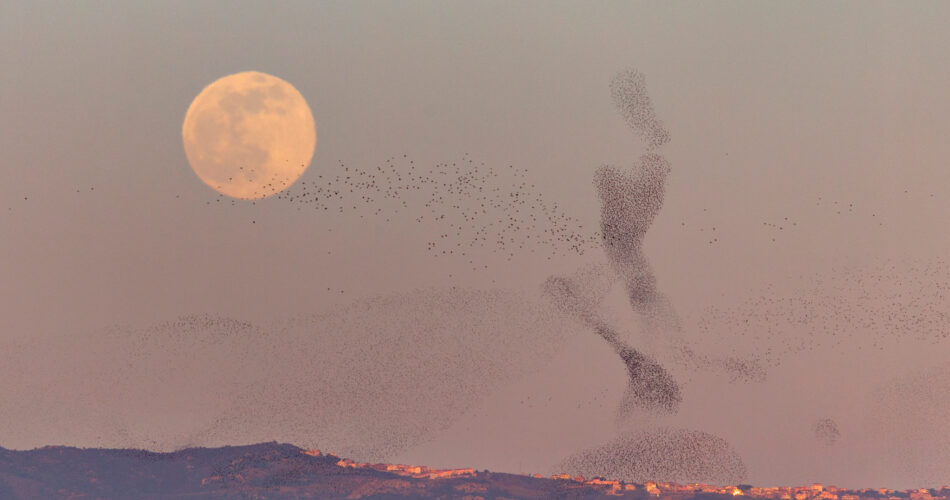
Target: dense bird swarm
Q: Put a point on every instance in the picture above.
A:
(677, 455)
(370, 380)
(631, 197)
(826, 431)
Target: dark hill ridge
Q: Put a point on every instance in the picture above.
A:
(282, 471)
(265, 471)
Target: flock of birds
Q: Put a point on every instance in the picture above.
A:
(679, 455)
(398, 368)
(470, 208)
(866, 307)
(782, 228)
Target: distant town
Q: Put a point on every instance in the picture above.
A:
(670, 491)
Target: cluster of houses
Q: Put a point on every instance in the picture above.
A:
(816, 491)
(416, 471)
(674, 491)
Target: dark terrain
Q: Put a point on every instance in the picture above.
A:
(265, 471)
(279, 471)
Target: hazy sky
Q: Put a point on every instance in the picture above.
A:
(776, 110)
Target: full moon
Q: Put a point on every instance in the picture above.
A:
(249, 135)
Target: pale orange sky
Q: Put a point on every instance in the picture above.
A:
(770, 107)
